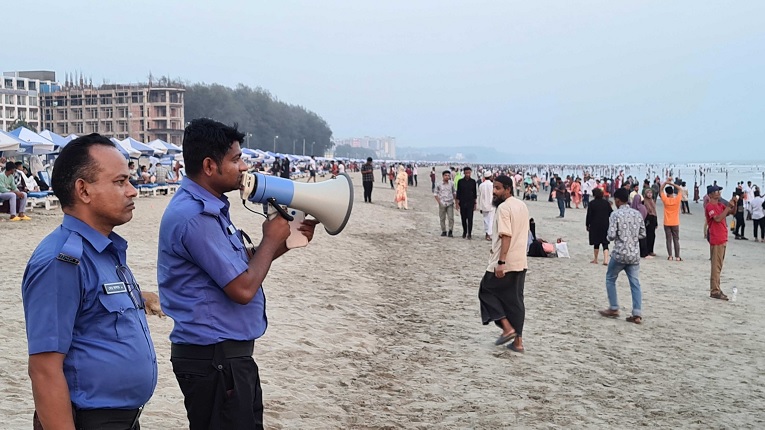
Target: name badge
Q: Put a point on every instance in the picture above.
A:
(115, 287)
(231, 229)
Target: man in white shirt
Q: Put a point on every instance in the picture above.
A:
(587, 187)
(485, 206)
(312, 169)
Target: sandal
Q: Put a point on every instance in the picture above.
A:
(670, 258)
(609, 313)
(678, 259)
(635, 319)
(502, 339)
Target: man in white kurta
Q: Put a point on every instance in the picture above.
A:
(485, 196)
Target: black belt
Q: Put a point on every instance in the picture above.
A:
(94, 418)
(231, 349)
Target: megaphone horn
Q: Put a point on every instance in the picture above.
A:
(330, 201)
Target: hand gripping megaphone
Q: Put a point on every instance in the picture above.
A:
(330, 201)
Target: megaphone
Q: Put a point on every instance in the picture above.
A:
(330, 202)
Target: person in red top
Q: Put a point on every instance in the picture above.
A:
(716, 213)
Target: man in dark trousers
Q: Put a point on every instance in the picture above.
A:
(467, 194)
(367, 179)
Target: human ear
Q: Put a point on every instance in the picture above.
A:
(81, 191)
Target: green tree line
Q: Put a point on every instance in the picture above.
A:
(261, 116)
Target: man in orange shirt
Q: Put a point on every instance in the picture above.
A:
(671, 200)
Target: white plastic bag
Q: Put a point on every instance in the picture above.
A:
(562, 250)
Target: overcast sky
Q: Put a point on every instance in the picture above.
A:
(574, 81)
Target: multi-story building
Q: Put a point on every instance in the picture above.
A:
(143, 112)
(384, 147)
(19, 97)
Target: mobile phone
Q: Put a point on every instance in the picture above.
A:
(296, 238)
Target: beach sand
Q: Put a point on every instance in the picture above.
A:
(379, 327)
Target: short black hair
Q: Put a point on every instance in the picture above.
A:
(445, 172)
(597, 193)
(369, 159)
(10, 165)
(467, 169)
(622, 195)
(506, 181)
(73, 163)
(205, 138)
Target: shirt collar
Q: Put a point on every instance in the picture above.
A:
(211, 205)
(96, 239)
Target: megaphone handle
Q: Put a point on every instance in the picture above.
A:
(279, 209)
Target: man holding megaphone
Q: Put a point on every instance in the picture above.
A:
(210, 285)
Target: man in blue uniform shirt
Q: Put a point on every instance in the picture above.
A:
(211, 287)
(91, 357)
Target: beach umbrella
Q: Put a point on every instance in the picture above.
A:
(140, 147)
(31, 142)
(165, 147)
(126, 150)
(57, 140)
(8, 142)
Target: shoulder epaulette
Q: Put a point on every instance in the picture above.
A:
(72, 250)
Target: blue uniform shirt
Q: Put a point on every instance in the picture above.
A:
(200, 252)
(110, 360)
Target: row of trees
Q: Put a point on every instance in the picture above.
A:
(261, 116)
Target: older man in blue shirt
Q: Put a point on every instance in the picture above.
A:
(210, 284)
(90, 350)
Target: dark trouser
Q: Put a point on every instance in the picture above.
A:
(761, 224)
(672, 235)
(643, 247)
(740, 224)
(220, 385)
(466, 213)
(561, 206)
(684, 205)
(503, 298)
(415, 180)
(432, 186)
(367, 191)
(391, 184)
(651, 222)
(586, 200)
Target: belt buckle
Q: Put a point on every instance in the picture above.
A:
(137, 416)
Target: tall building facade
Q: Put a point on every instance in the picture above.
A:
(143, 112)
(384, 147)
(20, 97)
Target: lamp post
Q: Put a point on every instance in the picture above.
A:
(312, 148)
(293, 146)
(247, 137)
(304, 146)
(275, 137)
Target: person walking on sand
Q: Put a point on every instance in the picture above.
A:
(402, 180)
(501, 289)
(445, 195)
(716, 213)
(671, 200)
(467, 194)
(485, 202)
(626, 228)
(596, 221)
(651, 221)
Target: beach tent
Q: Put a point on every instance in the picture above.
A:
(140, 147)
(165, 147)
(126, 150)
(57, 140)
(8, 142)
(31, 142)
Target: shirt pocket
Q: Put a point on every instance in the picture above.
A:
(121, 315)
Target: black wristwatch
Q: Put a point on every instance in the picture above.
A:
(500, 262)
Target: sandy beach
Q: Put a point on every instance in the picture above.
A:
(379, 328)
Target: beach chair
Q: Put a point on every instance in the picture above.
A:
(147, 190)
